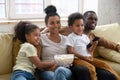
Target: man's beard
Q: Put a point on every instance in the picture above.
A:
(89, 28)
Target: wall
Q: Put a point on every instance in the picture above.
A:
(108, 11)
(8, 27)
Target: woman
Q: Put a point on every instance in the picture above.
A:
(53, 44)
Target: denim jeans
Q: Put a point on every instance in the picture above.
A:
(46, 75)
(61, 73)
(21, 75)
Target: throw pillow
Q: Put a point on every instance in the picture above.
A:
(5, 53)
(16, 47)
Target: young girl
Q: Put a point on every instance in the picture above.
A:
(78, 47)
(27, 59)
(53, 44)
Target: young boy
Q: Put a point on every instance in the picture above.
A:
(81, 46)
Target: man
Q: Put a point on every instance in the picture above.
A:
(89, 25)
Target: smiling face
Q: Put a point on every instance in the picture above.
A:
(78, 26)
(91, 21)
(33, 37)
(54, 24)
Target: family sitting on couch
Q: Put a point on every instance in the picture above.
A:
(38, 51)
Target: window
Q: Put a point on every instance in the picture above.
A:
(26, 9)
(2, 8)
(90, 5)
(65, 9)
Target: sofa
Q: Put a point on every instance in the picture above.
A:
(9, 49)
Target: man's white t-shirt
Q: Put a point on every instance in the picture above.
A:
(23, 62)
(51, 48)
(79, 43)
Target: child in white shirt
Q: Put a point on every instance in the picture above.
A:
(83, 48)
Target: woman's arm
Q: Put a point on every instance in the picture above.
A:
(39, 50)
(44, 30)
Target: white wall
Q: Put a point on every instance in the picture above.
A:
(108, 11)
(9, 27)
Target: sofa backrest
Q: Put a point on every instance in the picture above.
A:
(110, 32)
(5, 53)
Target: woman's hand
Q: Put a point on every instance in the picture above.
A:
(53, 67)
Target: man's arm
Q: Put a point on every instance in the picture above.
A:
(65, 30)
(108, 44)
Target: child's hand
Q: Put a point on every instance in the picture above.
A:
(91, 58)
(88, 58)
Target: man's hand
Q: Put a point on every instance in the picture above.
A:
(92, 48)
(118, 48)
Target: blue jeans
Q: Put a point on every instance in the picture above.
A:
(21, 75)
(46, 75)
(61, 73)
